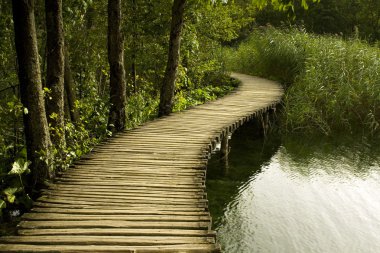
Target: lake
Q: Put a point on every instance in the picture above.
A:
(296, 194)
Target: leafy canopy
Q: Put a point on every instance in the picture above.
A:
(281, 5)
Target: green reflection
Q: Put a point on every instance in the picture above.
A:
(297, 194)
(249, 151)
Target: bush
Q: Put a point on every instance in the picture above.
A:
(335, 83)
(218, 85)
(269, 53)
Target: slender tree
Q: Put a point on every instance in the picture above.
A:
(168, 85)
(29, 74)
(55, 70)
(70, 89)
(117, 117)
(134, 45)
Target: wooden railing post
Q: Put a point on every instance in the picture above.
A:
(224, 150)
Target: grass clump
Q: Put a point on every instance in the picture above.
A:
(332, 84)
(271, 54)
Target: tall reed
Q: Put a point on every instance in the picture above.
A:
(332, 84)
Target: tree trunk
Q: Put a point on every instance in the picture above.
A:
(29, 74)
(168, 86)
(70, 89)
(55, 71)
(134, 46)
(117, 118)
(133, 71)
(67, 108)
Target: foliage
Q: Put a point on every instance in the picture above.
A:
(140, 108)
(11, 139)
(270, 54)
(186, 99)
(146, 27)
(284, 5)
(7, 49)
(335, 84)
(344, 17)
(341, 87)
(12, 190)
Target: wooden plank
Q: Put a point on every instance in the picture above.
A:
(115, 224)
(106, 189)
(194, 248)
(141, 184)
(140, 169)
(121, 217)
(107, 240)
(109, 211)
(185, 182)
(110, 188)
(114, 194)
(117, 208)
(114, 177)
(134, 173)
(117, 232)
(168, 162)
(146, 169)
(125, 203)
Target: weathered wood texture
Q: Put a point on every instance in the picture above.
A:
(144, 189)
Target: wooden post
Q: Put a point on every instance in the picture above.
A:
(224, 146)
(224, 150)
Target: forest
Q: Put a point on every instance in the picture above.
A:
(76, 72)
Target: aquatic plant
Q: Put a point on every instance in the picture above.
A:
(332, 84)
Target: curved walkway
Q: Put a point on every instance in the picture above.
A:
(144, 190)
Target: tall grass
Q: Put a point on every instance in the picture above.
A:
(332, 84)
(269, 54)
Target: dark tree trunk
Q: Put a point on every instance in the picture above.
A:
(134, 46)
(55, 71)
(101, 78)
(70, 89)
(168, 85)
(67, 109)
(29, 74)
(117, 118)
(133, 71)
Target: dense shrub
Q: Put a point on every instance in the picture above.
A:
(335, 83)
(271, 54)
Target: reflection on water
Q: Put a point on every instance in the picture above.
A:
(297, 196)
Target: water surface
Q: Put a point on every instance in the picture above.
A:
(294, 194)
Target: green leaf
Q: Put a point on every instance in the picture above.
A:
(304, 4)
(47, 90)
(19, 167)
(2, 204)
(53, 116)
(10, 193)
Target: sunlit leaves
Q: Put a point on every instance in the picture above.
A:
(19, 167)
(2, 204)
(282, 5)
(10, 194)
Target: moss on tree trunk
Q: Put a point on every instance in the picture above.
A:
(29, 74)
(117, 117)
(168, 85)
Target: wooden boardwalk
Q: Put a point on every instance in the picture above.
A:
(143, 190)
